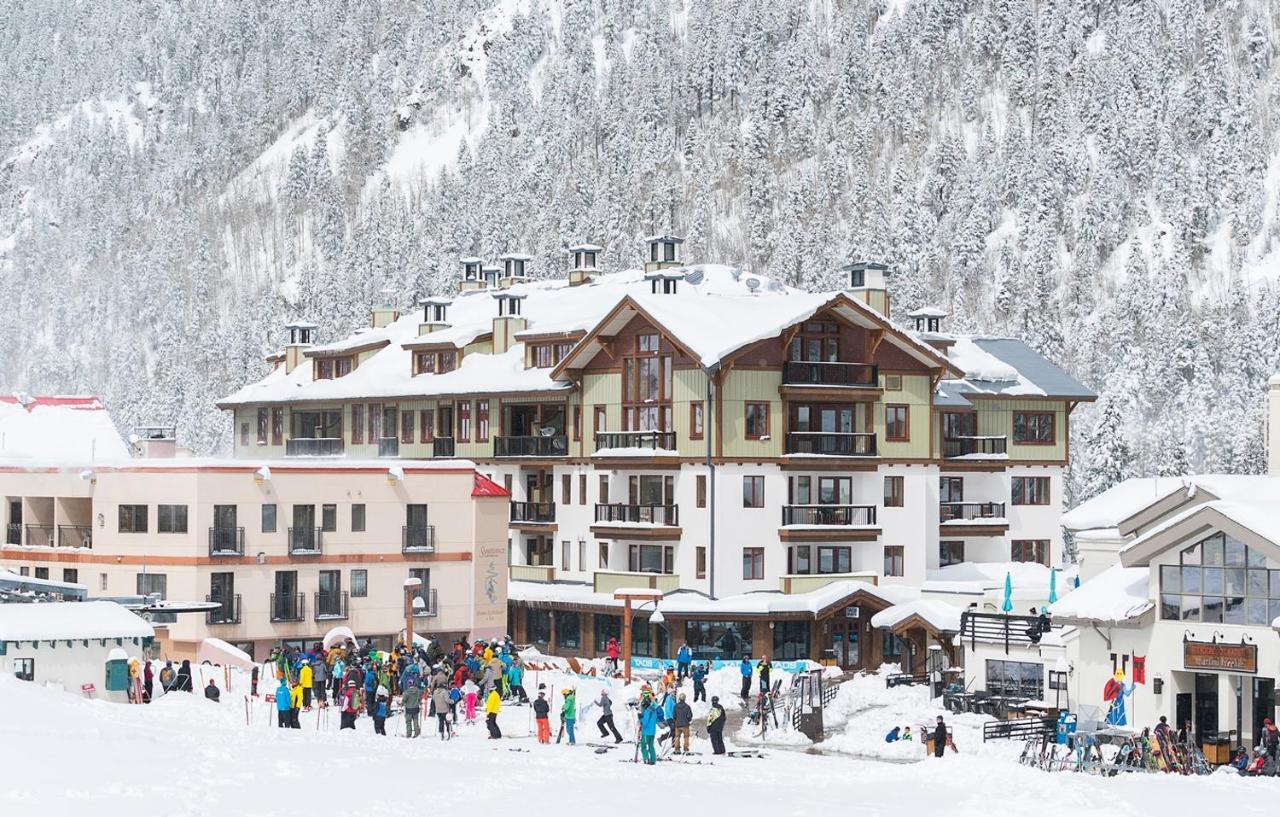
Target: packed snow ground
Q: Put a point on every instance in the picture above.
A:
(183, 755)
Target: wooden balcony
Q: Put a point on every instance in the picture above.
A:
(627, 521)
(828, 523)
(652, 440)
(813, 373)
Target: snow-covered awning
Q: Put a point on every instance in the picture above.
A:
(940, 616)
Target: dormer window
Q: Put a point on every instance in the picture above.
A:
(435, 361)
(549, 355)
(328, 368)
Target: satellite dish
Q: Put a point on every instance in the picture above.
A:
(753, 284)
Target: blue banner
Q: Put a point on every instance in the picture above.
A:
(659, 664)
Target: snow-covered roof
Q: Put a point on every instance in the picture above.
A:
(1260, 517)
(1129, 498)
(927, 312)
(717, 311)
(939, 615)
(70, 620)
(1115, 595)
(687, 602)
(58, 430)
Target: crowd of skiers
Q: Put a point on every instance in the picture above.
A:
(363, 680)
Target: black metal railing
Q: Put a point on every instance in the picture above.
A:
(388, 446)
(966, 446)
(828, 514)
(313, 447)
(304, 541)
(40, 535)
(998, 628)
(417, 539)
(332, 605)
(656, 440)
(226, 541)
(442, 447)
(13, 533)
(430, 606)
(840, 444)
(948, 511)
(227, 613)
(809, 373)
(1019, 729)
(288, 606)
(553, 446)
(667, 515)
(533, 511)
(75, 536)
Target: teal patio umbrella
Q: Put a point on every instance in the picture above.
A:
(1053, 585)
(1007, 605)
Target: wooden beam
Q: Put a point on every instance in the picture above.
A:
(874, 339)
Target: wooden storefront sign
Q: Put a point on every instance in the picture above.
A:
(1204, 655)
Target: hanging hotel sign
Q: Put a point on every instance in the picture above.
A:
(1205, 655)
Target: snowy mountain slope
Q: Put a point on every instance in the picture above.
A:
(1102, 179)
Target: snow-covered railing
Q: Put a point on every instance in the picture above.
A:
(227, 613)
(657, 440)
(832, 443)
(332, 606)
(948, 511)
(533, 511)
(964, 446)
(226, 541)
(304, 541)
(667, 515)
(828, 515)
(288, 607)
(417, 538)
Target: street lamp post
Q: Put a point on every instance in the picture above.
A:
(411, 585)
(626, 597)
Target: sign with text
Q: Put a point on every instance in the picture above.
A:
(1204, 655)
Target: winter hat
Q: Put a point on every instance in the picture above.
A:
(682, 696)
(351, 684)
(382, 690)
(715, 699)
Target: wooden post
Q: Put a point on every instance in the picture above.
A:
(626, 639)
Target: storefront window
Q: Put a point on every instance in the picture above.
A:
(724, 640)
(790, 640)
(1220, 580)
(538, 624)
(607, 627)
(1016, 679)
(568, 630)
(892, 647)
(641, 637)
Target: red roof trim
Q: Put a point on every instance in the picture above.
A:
(487, 487)
(85, 403)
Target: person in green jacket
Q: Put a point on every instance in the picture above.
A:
(569, 712)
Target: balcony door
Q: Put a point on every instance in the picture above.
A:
(951, 489)
(222, 587)
(538, 486)
(224, 527)
(304, 519)
(958, 424)
(329, 599)
(444, 421)
(829, 419)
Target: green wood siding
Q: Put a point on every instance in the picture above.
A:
(995, 417)
(600, 389)
(742, 386)
(915, 394)
(689, 386)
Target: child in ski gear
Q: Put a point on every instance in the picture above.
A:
(699, 675)
(606, 719)
(283, 720)
(668, 716)
(350, 706)
(515, 682)
(683, 720)
(650, 716)
(892, 737)
(612, 650)
(295, 706)
(541, 714)
(470, 696)
(715, 726)
(745, 669)
(380, 709)
(906, 733)
(492, 706)
(411, 699)
(569, 712)
(211, 691)
(304, 681)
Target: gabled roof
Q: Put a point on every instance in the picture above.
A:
(1006, 367)
(1116, 595)
(70, 620)
(486, 487)
(1141, 501)
(1254, 523)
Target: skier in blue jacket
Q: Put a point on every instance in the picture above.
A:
(699, 676)
(745, 669)
(284, 708)
(650, 717)
(684, 657)
(668, 716)
(370, 684)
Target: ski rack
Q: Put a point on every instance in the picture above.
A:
(1133, 756)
